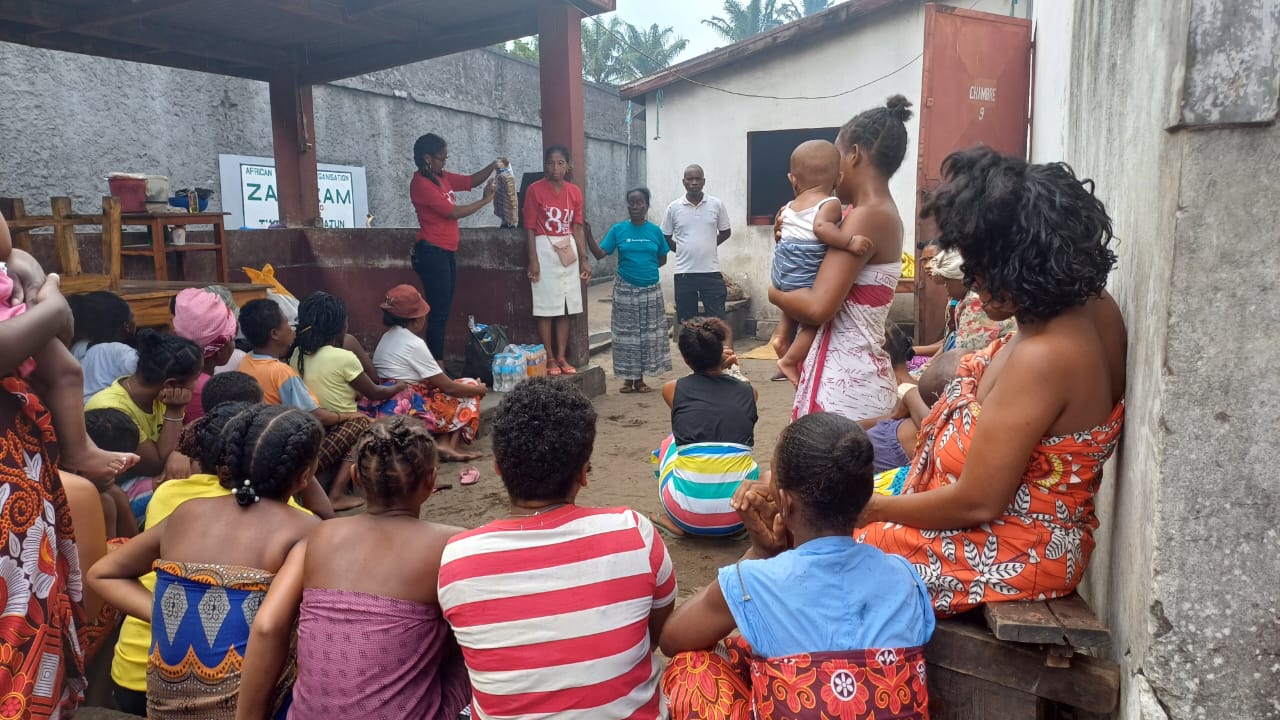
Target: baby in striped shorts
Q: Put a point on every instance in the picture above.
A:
(807, 226)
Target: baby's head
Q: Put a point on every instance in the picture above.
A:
(269, 453)
(815, 164)
(702, 342)
(543, 434)
(822, 468)
(942, 370)
(396, 462)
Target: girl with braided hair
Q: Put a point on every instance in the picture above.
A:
(389, 602)
(216, 558)
(824, 620)
(846, 371)
(335, 376)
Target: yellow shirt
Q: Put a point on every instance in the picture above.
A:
(129, 667)
(328, 375)
(115, 397)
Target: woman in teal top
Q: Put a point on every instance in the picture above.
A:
(640, 344)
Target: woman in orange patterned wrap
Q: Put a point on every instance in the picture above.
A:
(999, 501)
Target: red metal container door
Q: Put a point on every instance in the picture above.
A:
(976, 88)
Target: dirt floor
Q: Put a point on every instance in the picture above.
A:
(629, 428)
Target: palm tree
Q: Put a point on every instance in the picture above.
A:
(796, 10)
(602, 51)
(744, 19)
(526, 48)
(650, 50)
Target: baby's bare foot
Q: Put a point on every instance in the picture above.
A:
(790, 370)
(97, 465)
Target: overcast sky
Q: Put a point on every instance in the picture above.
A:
(684, 15)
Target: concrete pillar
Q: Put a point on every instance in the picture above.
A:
(560, 74)
(293, 136)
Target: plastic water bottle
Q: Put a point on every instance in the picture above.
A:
(471, 323)
(499, 373)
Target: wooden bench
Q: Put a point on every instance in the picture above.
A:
(149, 299)
(64, 222)
(1035, 660)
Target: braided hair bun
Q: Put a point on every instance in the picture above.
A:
(394, 457)
(701, 342)
(266, 450)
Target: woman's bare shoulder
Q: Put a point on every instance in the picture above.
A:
(881, 222)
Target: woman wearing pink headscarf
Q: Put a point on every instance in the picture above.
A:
(203, 318)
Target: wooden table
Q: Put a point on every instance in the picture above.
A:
(159, 251)
(149, 299)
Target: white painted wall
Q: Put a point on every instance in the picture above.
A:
(1052, 24)
(695, 124)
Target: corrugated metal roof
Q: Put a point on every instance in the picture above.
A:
(317, 40)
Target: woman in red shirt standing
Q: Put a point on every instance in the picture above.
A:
(558, 262)
(432, 191)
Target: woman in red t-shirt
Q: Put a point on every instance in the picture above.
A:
(432, 191)
(558, 262)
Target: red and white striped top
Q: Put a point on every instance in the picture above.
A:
(552, 613)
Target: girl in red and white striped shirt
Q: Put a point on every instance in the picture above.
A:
(557, 607)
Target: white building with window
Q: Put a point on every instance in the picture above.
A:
(738, 111)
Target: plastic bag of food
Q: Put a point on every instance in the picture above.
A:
(504, 200)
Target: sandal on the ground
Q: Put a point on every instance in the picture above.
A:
(663, 530)
(470, 476)
(640, 387)
(553, 368)
(628, 387)
(568, 369)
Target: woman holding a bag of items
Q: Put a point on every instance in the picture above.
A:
(432, 192)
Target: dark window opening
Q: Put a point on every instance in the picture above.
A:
(768, 162)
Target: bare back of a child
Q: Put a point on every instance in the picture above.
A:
(807, 227)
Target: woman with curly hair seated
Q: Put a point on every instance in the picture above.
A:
(998, 504)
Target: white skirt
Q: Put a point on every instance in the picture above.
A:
(558, 290)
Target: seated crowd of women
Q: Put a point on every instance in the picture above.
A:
(556, 608)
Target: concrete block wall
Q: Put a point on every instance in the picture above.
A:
(1187, 569)
(69, 120)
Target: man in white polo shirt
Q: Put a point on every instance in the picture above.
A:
(695, 225)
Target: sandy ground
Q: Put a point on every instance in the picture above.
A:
(629, 428)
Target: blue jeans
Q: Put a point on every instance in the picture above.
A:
(692, 287)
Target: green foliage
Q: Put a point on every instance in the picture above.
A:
(614, 51)
(742, 20)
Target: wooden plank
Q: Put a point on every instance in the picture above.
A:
(64, 238)
(85, 283)
(1082, 626)
(1025, 622)
(149, 300)
(111, 240)
(14, 210)
(956, 696)
(1090, 683)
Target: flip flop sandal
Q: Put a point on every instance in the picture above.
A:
(642, 388)
(628, 389)
(568, 369)
(663, 530)
(553, 369)
(470, 476)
